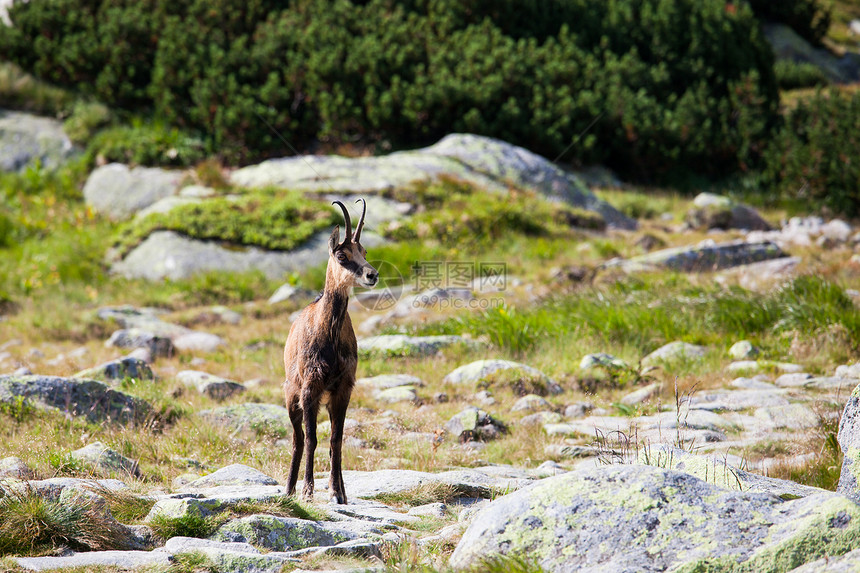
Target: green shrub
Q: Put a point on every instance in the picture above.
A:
(813, 157)
(147, 144)
(653, 86)
(792, 75)
(270, 221)
(85, 120)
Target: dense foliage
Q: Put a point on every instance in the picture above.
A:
(814, 155)
(653, 85)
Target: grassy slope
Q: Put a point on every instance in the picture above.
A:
(52, 273)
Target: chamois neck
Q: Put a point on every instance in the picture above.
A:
(334, 301)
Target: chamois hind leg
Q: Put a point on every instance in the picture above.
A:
(337, 413)
(298, 445)
(310, 408)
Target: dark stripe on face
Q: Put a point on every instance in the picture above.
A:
(351, 266)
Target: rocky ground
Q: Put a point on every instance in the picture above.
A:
(481, 424)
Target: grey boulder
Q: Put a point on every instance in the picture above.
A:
(27, 140)
(705, 257)
(119, 192)
(717, 212)
(482, 161)
(128, 367)
(849, 442)
(641, 518)
(78, 397)
(280, 533)
(105, 460)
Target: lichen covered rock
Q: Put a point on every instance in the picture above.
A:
(280, 533)
(78, 397)
(849, 441)
(641, 518)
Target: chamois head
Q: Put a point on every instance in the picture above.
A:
(347, 263)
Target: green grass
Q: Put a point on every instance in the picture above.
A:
(276, 221)
(645, 314)
(468, 217)
(125, 506)
(30, 524)
(187, 525)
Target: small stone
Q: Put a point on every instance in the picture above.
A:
(578, 410)
(14, 467)
(23, 371)
(541, 418)
(235, 474)
(837, 231)
(848, 371)
(198, 342)
(743, 349)
(291, 293)
(142, 354)
(215, 387)
(127, 367)
(158, 346)
(675, 351)
(602, 360)
(485, 398)
(429, 510)
(643, 394)
(566, 451)
(751, 384)
(484, 370)
(384, 381)
(396, 394)
(440, 398)
(743, 366)
(101, 457)
(473, 424)
(530, 402)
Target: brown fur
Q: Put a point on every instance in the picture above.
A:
(320, 359)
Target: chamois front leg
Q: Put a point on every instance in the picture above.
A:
(296, 418)
(310, 408)
(337, 413)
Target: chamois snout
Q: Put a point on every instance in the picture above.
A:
(370, 277)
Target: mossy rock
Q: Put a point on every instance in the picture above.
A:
(642, 518)
(278, 221)
(280, 533)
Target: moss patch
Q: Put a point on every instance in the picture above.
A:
(277, 222)
(463, 214)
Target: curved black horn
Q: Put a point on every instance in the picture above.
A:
(360, 221)
(348, 236)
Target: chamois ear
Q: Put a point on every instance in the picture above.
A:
(334, 239)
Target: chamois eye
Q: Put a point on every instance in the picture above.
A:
(341, 258)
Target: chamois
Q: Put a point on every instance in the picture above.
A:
(321, 355)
